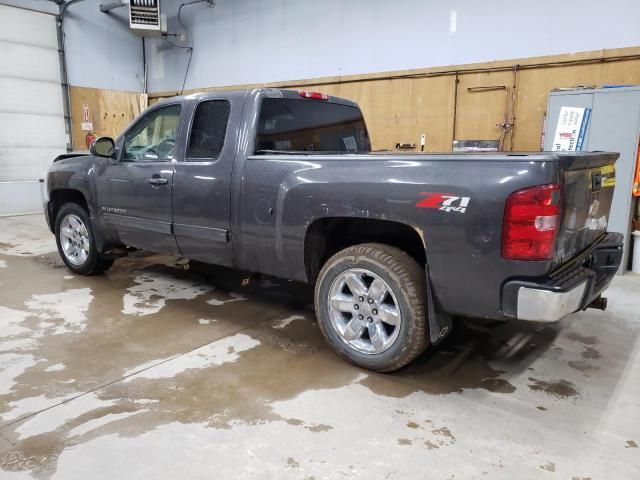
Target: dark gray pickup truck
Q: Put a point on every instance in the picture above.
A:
(284, 183)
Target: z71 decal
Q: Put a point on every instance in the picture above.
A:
(446, 202)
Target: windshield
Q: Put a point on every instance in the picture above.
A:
(291, 125)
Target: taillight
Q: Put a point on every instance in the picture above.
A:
(531, 222)
(314, 95)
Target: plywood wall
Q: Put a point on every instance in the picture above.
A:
(399, 109)
(110, 111)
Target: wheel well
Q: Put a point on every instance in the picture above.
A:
(327, 236)
(59, 197)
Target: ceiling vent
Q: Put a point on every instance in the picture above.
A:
(145, 18)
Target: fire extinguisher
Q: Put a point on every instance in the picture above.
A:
(91, 136)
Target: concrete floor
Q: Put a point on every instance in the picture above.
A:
(151, 371)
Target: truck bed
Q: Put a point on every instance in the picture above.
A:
(461, 247)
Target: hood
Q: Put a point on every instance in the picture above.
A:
(72, 155)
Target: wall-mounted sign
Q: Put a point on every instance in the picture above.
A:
(571, 129)
(86, 124)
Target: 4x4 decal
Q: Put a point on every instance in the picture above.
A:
(447, 202)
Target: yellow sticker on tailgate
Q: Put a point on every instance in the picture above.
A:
(608, 176)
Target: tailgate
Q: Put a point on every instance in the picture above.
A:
(589, 180)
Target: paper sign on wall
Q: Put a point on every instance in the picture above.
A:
(86, 125)
(571, 129)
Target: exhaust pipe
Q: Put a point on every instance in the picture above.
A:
(599, 303)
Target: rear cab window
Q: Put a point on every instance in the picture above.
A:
(303, 125)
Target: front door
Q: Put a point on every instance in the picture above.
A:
(134, 194)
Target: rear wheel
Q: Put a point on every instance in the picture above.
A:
(370, 303)
(76, 243)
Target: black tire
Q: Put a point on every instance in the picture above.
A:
(94, 263)
(405, 278)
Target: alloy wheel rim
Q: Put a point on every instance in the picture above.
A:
(364, 311)
(74, 239)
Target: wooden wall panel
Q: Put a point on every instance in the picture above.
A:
(484, 101)
(399, 106)
(109, 110)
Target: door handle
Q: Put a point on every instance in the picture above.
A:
(156, 181)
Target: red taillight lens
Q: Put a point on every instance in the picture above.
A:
(531, 221)
(314, 95)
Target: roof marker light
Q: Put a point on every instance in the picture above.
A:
(314, 95)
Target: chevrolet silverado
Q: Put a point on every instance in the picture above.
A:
(284, 183)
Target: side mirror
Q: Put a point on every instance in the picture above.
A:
(102, 147)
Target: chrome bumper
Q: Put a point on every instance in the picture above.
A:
(569, 288)
(548, 306)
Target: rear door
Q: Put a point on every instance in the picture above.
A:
(134, 194)
(202, 182)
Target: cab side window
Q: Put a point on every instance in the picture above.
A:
(208, 130)
(153, 138)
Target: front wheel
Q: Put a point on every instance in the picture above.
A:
(370, 304)
(76, 243)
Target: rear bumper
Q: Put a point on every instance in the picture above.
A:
(569, 288)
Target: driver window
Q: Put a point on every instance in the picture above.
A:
(153, 138)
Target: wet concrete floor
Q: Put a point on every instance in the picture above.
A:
(154, 371)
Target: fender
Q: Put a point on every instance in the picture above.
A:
(72, 174)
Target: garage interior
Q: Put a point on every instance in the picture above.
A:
(161, 368)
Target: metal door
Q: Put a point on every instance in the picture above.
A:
(134, 194)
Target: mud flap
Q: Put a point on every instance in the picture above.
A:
(440, 323)
(98, 236)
